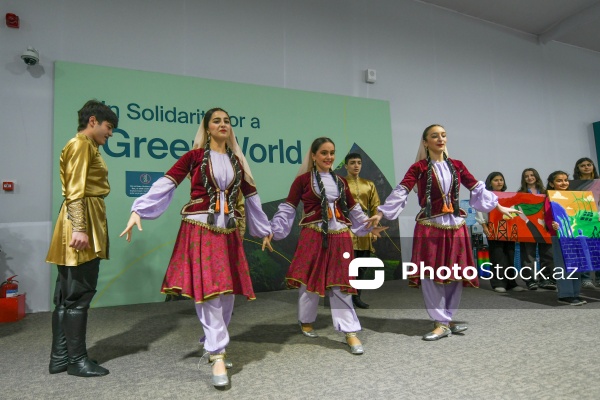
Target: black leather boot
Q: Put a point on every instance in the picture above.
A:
(75, 328)
(358, 301)
(59, 357)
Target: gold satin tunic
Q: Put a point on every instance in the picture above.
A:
(84, 179)
(364, 192)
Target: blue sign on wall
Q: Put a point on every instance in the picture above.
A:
(137, 183)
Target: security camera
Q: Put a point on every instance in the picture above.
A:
(30, 56)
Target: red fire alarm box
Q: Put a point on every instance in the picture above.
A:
(12, 20)
(12, 308)
(8, 186)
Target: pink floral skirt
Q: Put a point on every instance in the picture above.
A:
(206, 264)
(321, 268)
(436, 247)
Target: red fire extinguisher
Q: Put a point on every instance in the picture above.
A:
(9, 288)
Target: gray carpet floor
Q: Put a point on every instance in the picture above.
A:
(519, 346)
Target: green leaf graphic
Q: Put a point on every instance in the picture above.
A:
(530, 209)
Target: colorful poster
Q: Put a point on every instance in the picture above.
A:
(578, 231)
(526, 227)
(159, 115)
(575, 212)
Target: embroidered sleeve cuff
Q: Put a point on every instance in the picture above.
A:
(172, 179)
(76, 213)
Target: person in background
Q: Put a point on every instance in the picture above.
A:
(502, 253)
(569, 285)
(80, 239)
(532, 183)
(365, 193)
(586, 170)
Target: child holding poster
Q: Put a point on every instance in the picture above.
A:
(532, 183)
(569, 285)
(586, 170)
(502, 252)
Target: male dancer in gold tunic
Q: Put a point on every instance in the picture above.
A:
(365, 194)
(80, 239)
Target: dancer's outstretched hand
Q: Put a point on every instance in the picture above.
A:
(508, 211)
(378, 229)
(133, 220)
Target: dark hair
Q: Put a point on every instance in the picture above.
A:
(96, 109)
(553, 176)
(314, 147)
(490, 177)
(237, 169)
(577, 173)
(208, 116)
(352, 156)
(539, 185)
(455, 187)
(426, 131)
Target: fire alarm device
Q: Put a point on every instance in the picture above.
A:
(12, 20)
(8, 186)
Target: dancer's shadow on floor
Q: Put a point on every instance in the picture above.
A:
(402, 326)
(136, 339)
(256, 342)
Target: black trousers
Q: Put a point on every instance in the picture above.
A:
(76, 286)
(503, 254)
(546, 265)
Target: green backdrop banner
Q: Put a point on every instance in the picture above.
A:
(159, 115)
